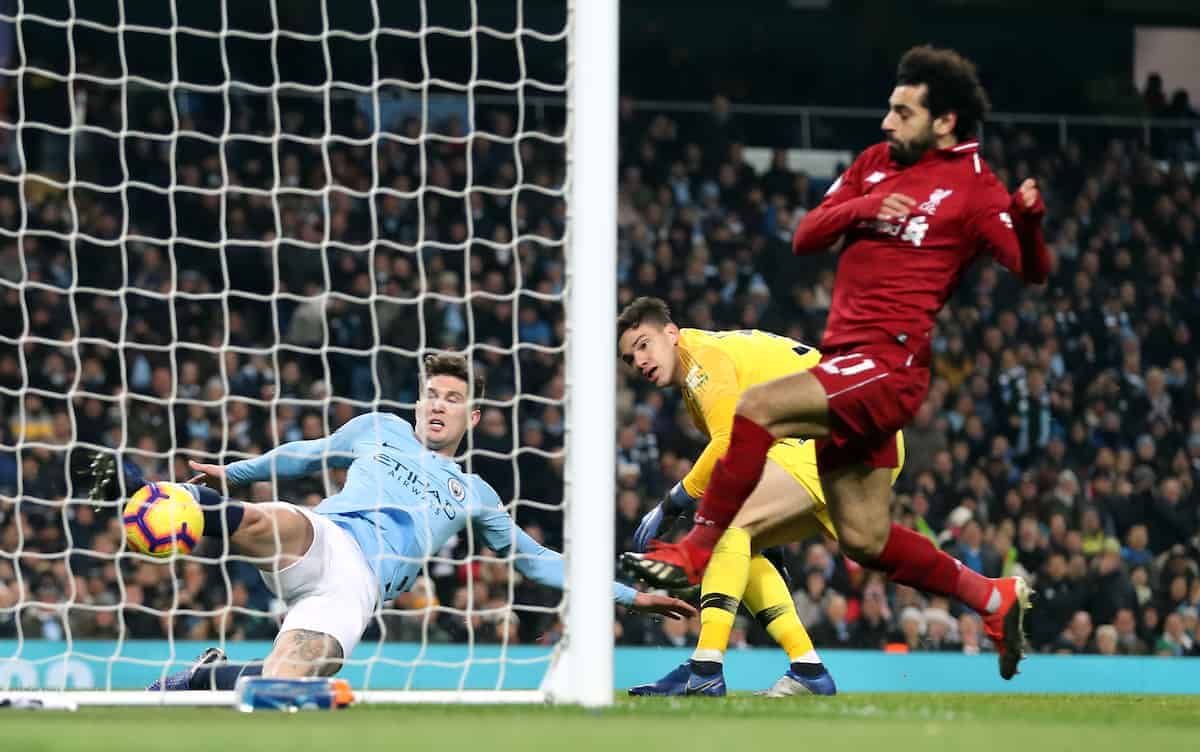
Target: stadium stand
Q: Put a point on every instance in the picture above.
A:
(1061, 436)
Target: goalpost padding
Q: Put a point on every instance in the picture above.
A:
(87, 160)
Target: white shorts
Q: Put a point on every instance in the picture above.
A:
(331, 589)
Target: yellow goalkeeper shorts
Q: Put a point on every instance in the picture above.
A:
(799, 458)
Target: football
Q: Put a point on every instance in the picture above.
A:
(162, 519)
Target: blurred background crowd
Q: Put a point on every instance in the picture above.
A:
(213, 294)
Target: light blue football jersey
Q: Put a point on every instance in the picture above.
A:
(402, 502)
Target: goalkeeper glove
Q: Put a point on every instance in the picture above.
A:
(677, 501)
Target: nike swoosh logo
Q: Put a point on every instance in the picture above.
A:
(702, 686)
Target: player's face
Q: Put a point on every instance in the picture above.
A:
(909, 126)
(444, 413)
(650, 350)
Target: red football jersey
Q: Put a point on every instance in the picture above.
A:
(894, 276)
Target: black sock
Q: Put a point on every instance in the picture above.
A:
(706, 668)
(808, 670)
(215, 507)
(223, 675)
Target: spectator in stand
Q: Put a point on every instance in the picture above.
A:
(970, 632)
(873, 627)
(1175, 640)
(1106, 640)
(972, 551)
(833, 630)
(811, 598)
(941, 630)
(1077, 637)
(1153, 96)
(1128, 641)
(912, 630)
(1135, 552)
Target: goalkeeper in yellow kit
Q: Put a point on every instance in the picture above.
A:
(712, 369)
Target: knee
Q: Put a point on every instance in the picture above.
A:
(755, 404)
(274, 528)
(256, 536)
(256, 524)
(862, 542)
(752, 520)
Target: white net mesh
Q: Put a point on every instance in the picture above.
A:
(227, 226)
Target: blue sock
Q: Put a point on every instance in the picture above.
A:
(223, 675)
(215, 507)
(133, 477)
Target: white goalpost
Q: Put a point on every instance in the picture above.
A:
(228, 227)
(591, 369)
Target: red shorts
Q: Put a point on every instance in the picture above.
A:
(873, 391)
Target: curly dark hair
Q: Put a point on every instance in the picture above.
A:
(643, 310)
(953, 86)
(449, 364)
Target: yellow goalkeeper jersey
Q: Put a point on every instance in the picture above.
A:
(718, 367)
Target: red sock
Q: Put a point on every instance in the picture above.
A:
(910, 558)
(735, 476)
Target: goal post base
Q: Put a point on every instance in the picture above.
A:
(143, 698)
(554, 689)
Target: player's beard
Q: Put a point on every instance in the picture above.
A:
(907, 153)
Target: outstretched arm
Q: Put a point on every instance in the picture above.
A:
(546, 567)
(295, 458)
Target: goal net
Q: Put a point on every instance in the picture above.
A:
(224, 226)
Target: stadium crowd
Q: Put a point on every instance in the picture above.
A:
(1061, 437)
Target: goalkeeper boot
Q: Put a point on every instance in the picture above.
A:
(182, 680)
(106, 485)
(669, 566)
(683, 680)
(793, 683)
(1005, 626)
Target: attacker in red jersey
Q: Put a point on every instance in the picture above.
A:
(913, 213)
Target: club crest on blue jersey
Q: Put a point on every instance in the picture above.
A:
(456, 489)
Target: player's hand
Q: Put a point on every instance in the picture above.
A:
(663, 605)
(895, 206)
(1027, 200)
(676, 502)
(208, 475)
(648, 528)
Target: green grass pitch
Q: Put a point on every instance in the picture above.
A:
(862, 722)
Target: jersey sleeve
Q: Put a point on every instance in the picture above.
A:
(298, 458)
(1012, 238)
(717, 397)
(848, 185)
(530, 558)
(843, 205)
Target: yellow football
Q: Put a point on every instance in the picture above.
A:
(162, 519)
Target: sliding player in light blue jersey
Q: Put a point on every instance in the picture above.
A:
(403, 499)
